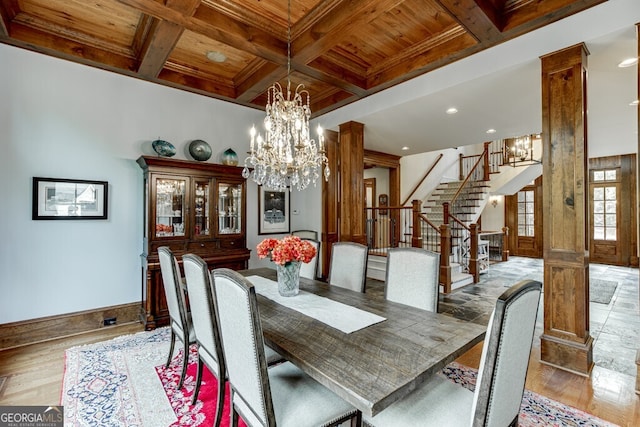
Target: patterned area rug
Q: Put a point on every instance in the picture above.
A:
(601, 291)
(536, 410)
(123, 382)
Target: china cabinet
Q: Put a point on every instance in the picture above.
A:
(191, 207)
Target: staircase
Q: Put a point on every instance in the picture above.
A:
(467, 207)
(412, 223)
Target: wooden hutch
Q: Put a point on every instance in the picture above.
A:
(191, 207)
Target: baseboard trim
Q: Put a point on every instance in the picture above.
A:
(42, 329)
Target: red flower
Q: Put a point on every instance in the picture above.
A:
(287, 249)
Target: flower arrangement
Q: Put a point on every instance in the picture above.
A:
(286, 250)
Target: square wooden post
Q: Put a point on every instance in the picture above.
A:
(566, 342)
(351, 181)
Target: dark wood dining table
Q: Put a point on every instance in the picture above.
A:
(375, 366)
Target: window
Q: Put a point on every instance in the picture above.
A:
(526, 216)
(605, 204)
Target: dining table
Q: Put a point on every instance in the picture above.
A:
(388, 348)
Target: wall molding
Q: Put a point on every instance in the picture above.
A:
(42, 329)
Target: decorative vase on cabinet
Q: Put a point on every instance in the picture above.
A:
(192, 207)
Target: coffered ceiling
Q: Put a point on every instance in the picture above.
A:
(341, 50)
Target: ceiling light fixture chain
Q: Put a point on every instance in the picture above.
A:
(287, 157)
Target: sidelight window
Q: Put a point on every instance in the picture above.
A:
(526, 215)
(605, 204)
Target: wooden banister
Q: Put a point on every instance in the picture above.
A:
(475, 166)
(422, 180)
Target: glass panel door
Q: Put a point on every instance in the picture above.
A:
(229, 208)
(201, 208)
(170, 204)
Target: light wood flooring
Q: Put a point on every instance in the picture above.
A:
(34, 377)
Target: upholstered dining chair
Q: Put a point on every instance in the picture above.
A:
(310, 269)
(412, 277)
(205, 325)
(282, 394)
(305, 234)
(348, 268)
(179, 316)
(501, 377)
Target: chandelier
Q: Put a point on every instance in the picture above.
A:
(521, 147)
(286, 157)
(520, 151)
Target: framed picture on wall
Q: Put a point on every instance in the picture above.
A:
(55, 198)
(273, 208)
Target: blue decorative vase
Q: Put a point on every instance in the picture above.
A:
(289, 278)
(163, 148)
(230, 158)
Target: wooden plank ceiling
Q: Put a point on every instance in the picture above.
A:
(341, 50)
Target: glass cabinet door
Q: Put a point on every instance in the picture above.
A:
(229, 208)
(201, 208)
(170, 204)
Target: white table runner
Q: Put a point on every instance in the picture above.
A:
(335, 314)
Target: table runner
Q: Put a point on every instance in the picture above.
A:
(335, 314)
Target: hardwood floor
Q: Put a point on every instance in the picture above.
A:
(34, 372)
(34, 375)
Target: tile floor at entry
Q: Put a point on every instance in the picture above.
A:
(615, 327)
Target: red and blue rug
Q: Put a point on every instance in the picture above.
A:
(123, 382)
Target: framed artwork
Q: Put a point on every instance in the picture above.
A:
(55, 198)
(383, 201)
(273, 211)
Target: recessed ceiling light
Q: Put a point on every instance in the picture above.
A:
(491, 131)
(405, 148)
(634, 103)
(629, 62)
(452, 110)
(215, 56)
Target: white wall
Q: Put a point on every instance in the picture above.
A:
(63, 120)
(381, 175)
(493, 216)
(413, 168)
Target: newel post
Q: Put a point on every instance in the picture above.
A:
(445, 262)
(487, 166)
(505, 244)
(473, 259)
(416, 235)
(445, 213)
(461, 167)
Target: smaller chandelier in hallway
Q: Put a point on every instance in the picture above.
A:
(287, 157)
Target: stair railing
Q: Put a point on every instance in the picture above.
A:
(388, 227)
(466, 252)
(436, 239)
(422, 180)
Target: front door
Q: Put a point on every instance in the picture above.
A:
(524, 219)
(604, 190)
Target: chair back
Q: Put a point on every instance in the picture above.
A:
(173, 292)
(412, 277)
(310, 269)
(348, 268)
(305, 234)
(505, 356)
(243, 346)
(203, 315)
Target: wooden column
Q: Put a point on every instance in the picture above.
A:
(330, 200)
(566, 342)
(351, 220)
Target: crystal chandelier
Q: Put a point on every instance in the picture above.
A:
(287, 157)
